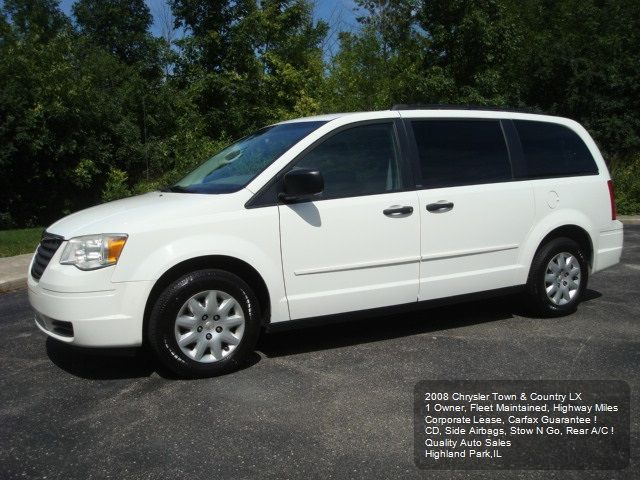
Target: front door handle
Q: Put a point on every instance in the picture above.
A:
(397, 210)
(440, 207)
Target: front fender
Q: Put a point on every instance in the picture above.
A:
(254, 239)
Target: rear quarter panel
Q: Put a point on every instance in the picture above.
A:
(582, 201)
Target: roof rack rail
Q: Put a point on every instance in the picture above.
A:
(446, 106)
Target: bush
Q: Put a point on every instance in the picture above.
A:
(626, 177)
(116, 186)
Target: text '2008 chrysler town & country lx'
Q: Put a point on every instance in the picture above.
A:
(328, 215)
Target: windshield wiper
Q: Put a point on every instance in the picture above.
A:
(175, 189)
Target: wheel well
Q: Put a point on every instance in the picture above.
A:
(575, 233)
(229, 264)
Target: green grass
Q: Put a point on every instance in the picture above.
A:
(16, 242)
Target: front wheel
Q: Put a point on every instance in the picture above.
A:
(205, 323)
(558, 277)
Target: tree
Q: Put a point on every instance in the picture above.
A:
(38, 19)
(71, 114)
(119, 26)
(581, 60)
(471, 42)
(441, 51)
(250, 63)
(97, 109)
(360, 76)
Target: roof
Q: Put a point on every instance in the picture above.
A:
(443, 111)
(316, 118)
(446, 106)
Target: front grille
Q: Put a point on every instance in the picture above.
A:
(47, 248)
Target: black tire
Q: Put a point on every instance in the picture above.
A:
(539, 301)
(160, 329)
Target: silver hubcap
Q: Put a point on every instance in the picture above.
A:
(562, 278)
(209, 326)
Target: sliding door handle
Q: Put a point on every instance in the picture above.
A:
(440, 207)
(397, 210)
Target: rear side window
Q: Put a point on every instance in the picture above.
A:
(461, 152)
(552, 150)
(361, 160)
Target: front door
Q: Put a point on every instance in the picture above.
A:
(357, 246)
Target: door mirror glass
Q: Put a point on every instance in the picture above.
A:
(301, 184)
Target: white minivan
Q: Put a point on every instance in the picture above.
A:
(311, 219)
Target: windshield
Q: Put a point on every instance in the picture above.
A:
(238, 164)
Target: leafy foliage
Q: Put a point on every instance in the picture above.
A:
(249, 63)
(95, 107)
(626, 177)
(116, 185)
(118, 26)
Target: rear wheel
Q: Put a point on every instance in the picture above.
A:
(205, 323)
(558, 277)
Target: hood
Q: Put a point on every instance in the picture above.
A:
(145, 212)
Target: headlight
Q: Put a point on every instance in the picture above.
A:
(93, 251)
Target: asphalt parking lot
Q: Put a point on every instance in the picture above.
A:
(330, 402)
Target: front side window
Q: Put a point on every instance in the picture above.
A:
(361, 160)
(461, 152)
(238, 164)
(553, 150)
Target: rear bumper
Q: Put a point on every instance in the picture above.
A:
(110, 318)
(609, 247)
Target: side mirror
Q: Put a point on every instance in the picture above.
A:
(301, 184)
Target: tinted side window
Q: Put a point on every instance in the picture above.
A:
(362, 160)
(461, 152)
(553, 150)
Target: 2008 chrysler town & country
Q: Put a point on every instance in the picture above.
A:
(328, 215)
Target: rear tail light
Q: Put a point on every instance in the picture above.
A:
(612, 197)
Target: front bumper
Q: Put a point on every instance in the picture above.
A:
(110, 318)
